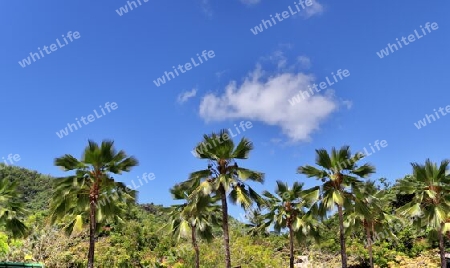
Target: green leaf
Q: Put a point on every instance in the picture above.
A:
(78, 226)
(337, 198)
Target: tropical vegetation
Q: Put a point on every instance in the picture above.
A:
(346, 217)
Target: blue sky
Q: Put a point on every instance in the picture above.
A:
(251, 78)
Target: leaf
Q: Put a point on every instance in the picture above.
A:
(206, 187)
(298, 222)
(440, 214)
(337, 198)
(185, 229)
(431, 194)
(410, 210)
(446, 228)
(239, 195)
(78, 226)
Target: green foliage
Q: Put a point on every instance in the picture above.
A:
(4, 247)
(12, 209)
(35, 189)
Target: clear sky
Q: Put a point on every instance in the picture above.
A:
(252, 77)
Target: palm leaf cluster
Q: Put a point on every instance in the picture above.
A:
(12, 211)
(71, 204)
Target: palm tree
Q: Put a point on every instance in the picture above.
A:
(257, 224)
(339, 173)
(92, 195)
(288, 211)
(430, 204)
(193, 218)
(11, 210)
(224, 177)
(368, 212)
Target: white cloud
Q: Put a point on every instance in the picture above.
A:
(315, 9)
(265, 99)
(183, 97)
(250, 2)
(277, 57)
(304, 62)
(276, 140)
(206, 8)
(286, 45)
(347, 104)
(219, 74)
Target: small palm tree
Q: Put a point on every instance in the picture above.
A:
(288, 211)
(11, 210)
(257, 224)
(224, 177)
(92, 195)
(368, 212)
(193, 218)
(431, 201)
(340, 175)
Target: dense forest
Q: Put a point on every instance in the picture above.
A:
(351, 219)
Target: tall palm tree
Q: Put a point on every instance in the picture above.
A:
(193, 218)
(11, 210)
(340, 174)
(92, 195)
(224, 177)
(287, 210)
(431, 202)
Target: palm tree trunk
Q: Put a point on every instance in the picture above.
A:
(369, 246)
(92, 227)
(195, 245)
(226, 236)
(291, 247)
(342, 237)
(441, 247)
